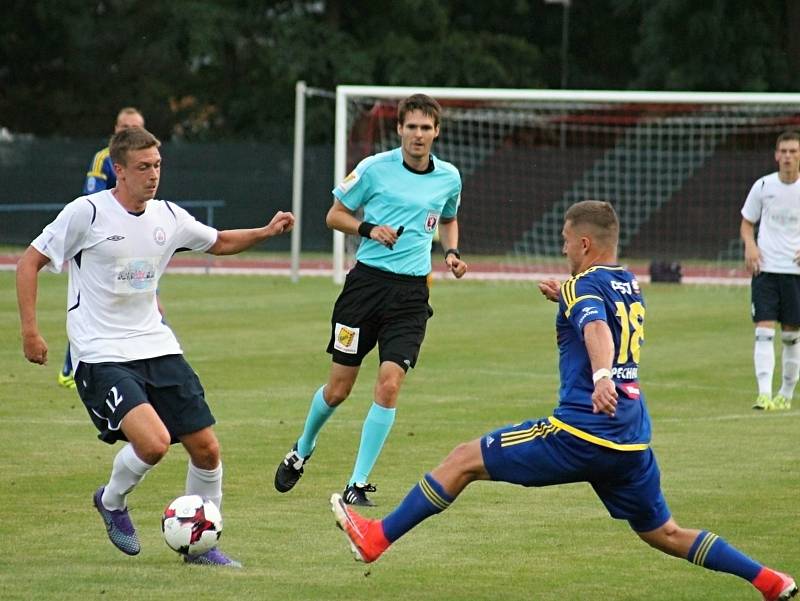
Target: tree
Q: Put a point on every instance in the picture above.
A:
(716, 46)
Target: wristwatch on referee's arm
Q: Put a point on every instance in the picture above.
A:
(452, 251)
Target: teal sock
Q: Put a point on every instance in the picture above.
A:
(374, 433)
(712, 552)
(318, 414)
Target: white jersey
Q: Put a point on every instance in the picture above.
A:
(776, 207)
(115, 261)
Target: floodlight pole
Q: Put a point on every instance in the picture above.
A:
(564, 39)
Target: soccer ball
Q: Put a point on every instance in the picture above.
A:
(191, 525)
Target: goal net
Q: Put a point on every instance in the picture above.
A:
(676, 166)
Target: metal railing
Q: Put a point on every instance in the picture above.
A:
(208, 205)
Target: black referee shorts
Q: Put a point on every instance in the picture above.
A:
(110, 390)
(776, 297)
(383, 308)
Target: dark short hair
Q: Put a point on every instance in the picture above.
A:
(419, 102)
(599, 215)
(133, 138)
(791, 134)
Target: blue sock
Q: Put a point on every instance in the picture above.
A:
(318, 414)
(67, 369)
(712, 552)
(374, 433)
(427, 498)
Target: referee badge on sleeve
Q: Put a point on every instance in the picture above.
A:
(345, 339)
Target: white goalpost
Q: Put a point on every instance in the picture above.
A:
(676, 165)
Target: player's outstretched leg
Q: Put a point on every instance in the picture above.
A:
(118, 524)
(433, 494)
(776, 585)
(367, 540)
(370, 538)
(706, 549)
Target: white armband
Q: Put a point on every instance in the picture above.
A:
(601, 373)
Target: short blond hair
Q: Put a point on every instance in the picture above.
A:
(599, 216)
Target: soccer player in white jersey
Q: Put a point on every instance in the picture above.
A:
(101, 177)
(384, 301)
(774, 261)
(130, 371)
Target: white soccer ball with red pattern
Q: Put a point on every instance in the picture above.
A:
(191, 525)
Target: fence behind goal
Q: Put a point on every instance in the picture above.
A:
(676, 166)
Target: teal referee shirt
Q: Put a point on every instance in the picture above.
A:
(393, 194)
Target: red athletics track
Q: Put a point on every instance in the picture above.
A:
(478, 269)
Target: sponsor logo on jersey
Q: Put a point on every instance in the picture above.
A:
(489, 441)
(90, 184)
(345, 339)
(115, 238)
(586, 312)
(160, 236)
(431, 221)
(138, 274)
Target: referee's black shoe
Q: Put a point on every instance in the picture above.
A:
(289, 470)
(356, 494)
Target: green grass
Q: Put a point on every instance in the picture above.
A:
(489, 359)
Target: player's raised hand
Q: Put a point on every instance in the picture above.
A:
(35, 348)
(550, 289)
(282, 222)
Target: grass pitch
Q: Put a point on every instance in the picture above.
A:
(489, 359)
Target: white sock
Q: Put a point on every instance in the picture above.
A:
(206, 483)
(791, 363)
(127, 472)
(764, 359)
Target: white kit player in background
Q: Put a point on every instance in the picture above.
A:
(774, 261)
(130, 371)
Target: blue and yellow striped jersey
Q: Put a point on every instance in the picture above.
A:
(610, 293)
(101, 174)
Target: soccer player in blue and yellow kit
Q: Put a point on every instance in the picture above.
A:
(100, 177)
(599, 433)
(384, 301)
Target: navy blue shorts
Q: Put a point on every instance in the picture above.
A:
(537, 453)
(110, 390)
(775, 297)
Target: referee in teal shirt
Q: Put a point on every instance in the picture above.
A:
(405, 194)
